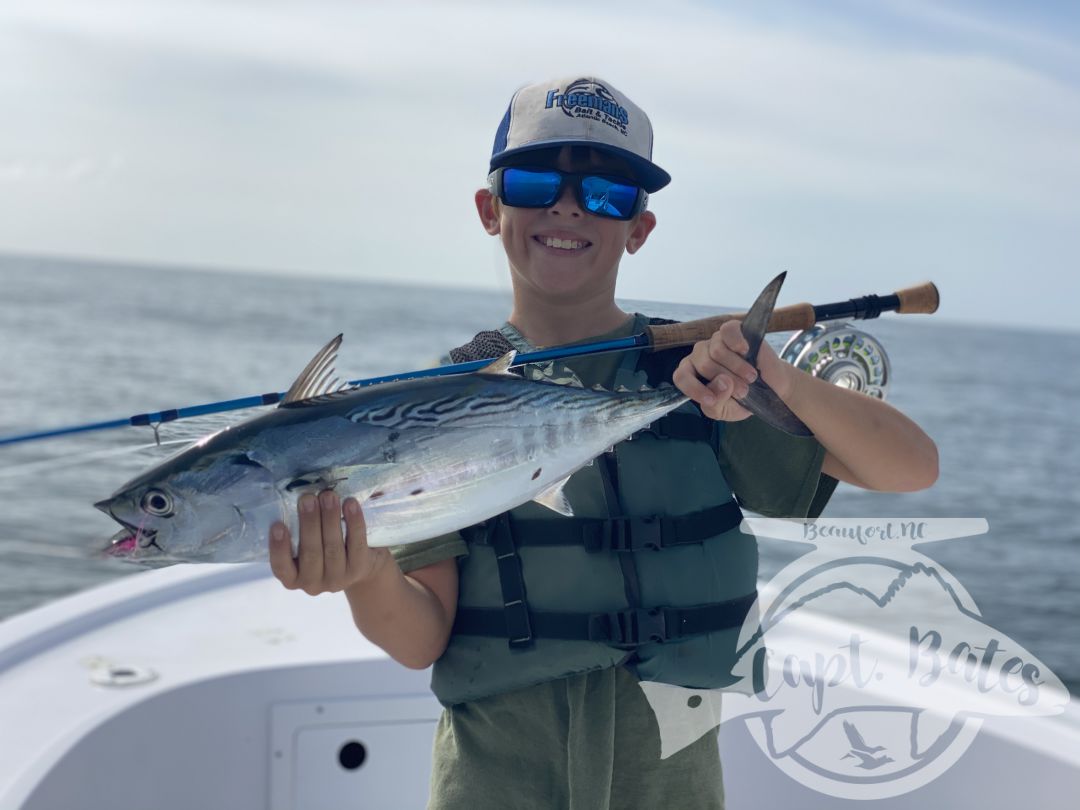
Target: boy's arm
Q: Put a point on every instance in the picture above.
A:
(408, 616)
(868, 443)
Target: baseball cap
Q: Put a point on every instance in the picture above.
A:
(579, 111)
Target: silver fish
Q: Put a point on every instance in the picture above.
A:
(424, 457)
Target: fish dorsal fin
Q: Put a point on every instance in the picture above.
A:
(317, 379)
(554, 498)
(501, 366)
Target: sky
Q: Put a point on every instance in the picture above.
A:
(861, 146)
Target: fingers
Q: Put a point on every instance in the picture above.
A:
(281, 559)
(715, 372)
(726, 408)
(686, 379)
(333, 545)
(706, 382)
(731, 333)
(715, 397)
(726, 348)
(323, 563)
(356, 547)
(310, 553)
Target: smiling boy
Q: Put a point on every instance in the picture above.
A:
(532, 619)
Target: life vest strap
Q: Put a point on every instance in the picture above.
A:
(620, 533)
(626, 628)
(515, 612)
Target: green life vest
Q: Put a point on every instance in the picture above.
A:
(652, 572)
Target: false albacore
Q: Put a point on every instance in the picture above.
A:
(424, 457)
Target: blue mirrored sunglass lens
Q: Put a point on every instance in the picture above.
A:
(530, 188)
(608, 198)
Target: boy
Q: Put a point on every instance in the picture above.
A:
(540, 626)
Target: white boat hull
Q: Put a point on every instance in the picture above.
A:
(214, 687)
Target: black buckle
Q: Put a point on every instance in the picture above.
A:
(645, 532)
(518, 625)
(626, 534)
(629, 627)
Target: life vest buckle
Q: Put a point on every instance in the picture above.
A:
(631, 627)
(628, 534)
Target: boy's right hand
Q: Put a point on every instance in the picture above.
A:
(325, 562)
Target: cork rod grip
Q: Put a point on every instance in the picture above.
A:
(784, 319)
(920, 298)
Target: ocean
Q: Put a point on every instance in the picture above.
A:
(87, 341)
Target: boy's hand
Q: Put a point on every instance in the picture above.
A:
(715, 373)
(326, 562)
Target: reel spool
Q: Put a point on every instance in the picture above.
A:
(841, 354)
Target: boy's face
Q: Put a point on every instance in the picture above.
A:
(589, 265)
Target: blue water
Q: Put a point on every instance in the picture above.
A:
(86, 341)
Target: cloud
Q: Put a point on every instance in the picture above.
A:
(347, 138)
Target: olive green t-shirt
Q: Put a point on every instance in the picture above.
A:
(591, 741)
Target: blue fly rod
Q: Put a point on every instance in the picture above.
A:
(922, 298)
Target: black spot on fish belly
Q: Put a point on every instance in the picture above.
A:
(394, 436)
(537, 473)
(416, 491)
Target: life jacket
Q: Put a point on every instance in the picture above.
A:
(652, 572)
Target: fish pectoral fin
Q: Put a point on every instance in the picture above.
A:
(317, 379)
(555, 499)
(329, 478)
(501, 366)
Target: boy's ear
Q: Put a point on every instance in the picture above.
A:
(640, 231)
(487, 208)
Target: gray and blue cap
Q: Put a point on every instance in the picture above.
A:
(579, 112)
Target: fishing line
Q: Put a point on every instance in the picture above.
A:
(191, 432)
(43, 549)
(11, 471)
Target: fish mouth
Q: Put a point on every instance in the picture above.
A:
(129, 540)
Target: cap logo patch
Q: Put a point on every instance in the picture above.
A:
(588, 99)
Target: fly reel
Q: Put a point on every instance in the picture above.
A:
(841, 354)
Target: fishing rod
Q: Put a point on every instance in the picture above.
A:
(922, 298)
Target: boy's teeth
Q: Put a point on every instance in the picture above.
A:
(565, 244)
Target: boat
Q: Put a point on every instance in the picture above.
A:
(212, 686)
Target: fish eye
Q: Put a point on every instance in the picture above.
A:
(157, 503)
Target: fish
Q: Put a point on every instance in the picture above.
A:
(424, 457)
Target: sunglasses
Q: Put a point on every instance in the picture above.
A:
(602, 195)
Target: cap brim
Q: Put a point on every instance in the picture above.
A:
(648, 174)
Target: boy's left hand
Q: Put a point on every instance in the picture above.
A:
(715, 373)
